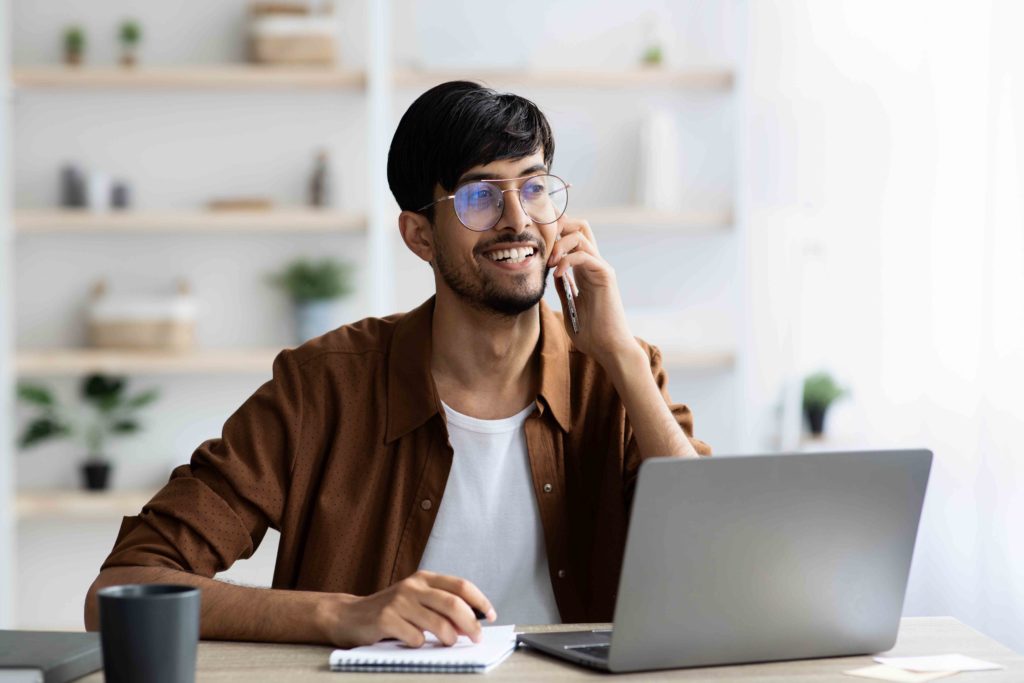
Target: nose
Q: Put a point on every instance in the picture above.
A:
(513, 216)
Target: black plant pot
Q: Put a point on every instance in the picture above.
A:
(816, 419)
(96, 475)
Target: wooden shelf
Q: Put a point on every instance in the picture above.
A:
(228, 76)
(683, 359)
(245, 76)
(207, 362)
(79, 504)
(278, 220)
(693, 220)
(696, 78)
(242, 361)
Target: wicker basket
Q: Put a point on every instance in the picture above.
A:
(142, 322)
(277, 36)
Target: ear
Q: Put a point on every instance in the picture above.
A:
(418, 234)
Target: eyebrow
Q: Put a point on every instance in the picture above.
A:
(470, 177)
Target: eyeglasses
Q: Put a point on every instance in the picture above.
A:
(480, 204)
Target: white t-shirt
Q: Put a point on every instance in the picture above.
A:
(488, 526)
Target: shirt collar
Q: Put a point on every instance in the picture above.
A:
(412, 397)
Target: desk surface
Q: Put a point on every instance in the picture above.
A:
(258, 663)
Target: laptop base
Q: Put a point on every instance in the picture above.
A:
(589, 648)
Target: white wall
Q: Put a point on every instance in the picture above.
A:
(884, 150)
(7, 529)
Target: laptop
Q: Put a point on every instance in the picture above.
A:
(758, 558)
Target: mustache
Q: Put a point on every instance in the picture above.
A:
(521, 238)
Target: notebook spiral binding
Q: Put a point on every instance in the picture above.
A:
(383, 666)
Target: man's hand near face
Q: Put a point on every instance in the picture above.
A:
(604, 335)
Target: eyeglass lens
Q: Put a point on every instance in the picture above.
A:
(479, 205)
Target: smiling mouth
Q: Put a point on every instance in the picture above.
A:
(517, 255)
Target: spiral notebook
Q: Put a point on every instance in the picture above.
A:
(465, 656)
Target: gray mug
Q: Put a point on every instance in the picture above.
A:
(149, 633)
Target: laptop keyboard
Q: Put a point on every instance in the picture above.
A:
(599, 651)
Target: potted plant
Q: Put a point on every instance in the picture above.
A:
(130, 35)
(820, 391)
(653, 53)
(653, 56)
(109, 413)
(74, 45)
(315, 290)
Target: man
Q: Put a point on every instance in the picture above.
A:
(475, 453)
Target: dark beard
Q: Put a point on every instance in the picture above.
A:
(486, 295)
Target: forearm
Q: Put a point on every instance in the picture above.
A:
(232, 612)
(655, 428)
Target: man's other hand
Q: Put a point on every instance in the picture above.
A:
(424, 602)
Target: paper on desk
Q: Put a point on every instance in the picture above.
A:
(496, 643)
(884, 672)
(939, 663)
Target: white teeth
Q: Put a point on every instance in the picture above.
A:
(512, 255)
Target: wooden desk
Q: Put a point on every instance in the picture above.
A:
(259, 663)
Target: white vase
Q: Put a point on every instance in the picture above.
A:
(98, 191)
(659, 177)
(315, 317)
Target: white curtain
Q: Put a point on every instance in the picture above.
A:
(884, 149)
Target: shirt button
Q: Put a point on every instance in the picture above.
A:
(561, 573)
(548, 488)
(426, 504)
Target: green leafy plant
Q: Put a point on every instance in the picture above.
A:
(74, 42)
(653, 56)
(108, 412)
(130, 33)
(820, 390)
(305, 280)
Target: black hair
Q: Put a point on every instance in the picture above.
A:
(455, 126)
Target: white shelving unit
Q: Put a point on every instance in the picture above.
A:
(28, 222)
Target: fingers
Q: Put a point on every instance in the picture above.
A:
(570, 225)
(454, 609)
(396, 625)
(464, 589)
(428, 620)
(572, 243)
(428, 602)
(580, 259)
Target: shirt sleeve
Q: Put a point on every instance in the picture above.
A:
(217, 508)
(681, 412)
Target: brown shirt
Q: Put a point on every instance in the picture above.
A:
(345, 452)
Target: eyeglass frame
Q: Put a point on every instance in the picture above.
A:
(511, 189)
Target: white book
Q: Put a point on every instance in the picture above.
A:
(465, 656)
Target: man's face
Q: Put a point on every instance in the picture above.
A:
(467, 261)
